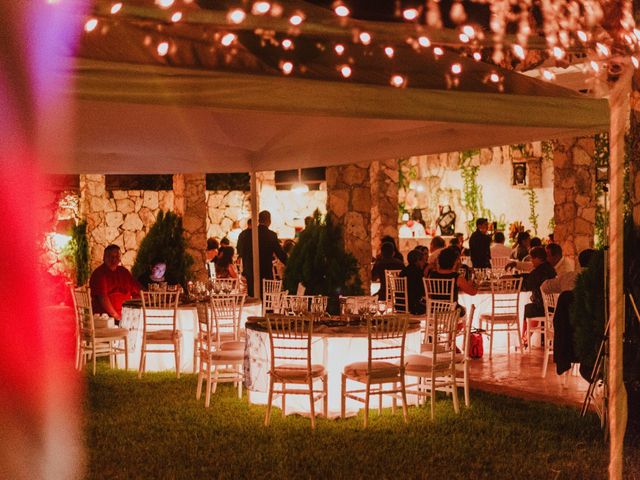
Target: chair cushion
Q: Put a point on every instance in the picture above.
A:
(426, 349)
(232, 345)
(102, 333)
(499, 318)
(379, 369)
(230, 355)
(162, 335)
(297, 372)
(422, 364)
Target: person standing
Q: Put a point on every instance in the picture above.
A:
(269, 246)
(480, 245)
(112, 284)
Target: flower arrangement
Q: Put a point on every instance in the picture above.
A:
(514, 229)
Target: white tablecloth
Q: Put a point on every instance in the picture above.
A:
(187, 323)
(334, 352)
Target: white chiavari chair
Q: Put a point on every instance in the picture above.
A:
(399, 295)
(438, 369)
(440, 293)
(271, 296)
(290, 342)
(549, 300)
(498, 263)
(95, 342)
(388, 276)
(462, 359)
(159, 317)
(385, 364)
(505, 310)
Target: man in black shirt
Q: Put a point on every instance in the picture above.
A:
(414, 272)
(269, 246)
(480, 245)
(387, 261)
(542, 270)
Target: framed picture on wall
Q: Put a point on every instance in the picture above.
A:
(519, 175)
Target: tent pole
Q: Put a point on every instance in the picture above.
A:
(619, 111)
(255, 247)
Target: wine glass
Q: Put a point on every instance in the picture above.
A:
(382, 307)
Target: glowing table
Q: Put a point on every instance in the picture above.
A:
(187, 323)
(333, 347)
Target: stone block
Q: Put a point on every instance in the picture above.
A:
(235, 199)
(140, 234)
(582, 227)
(132, 222)
(150, 200)
(137, 203)
(356, 227)
(129, 240)
(96, 204)
(147, 216)
(109, 205)
(589, 214)
(192, 223)
(119, 240)
(361, 199)
(128, 258)
(120, 194)
(125, 205)
(338, 202)
(582, 157)
(216, 216)
(114, 219)
(111, 233)
(561, 159)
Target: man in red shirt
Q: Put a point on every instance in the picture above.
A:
(111, 284)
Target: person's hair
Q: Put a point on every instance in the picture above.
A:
(212, 244)
(585, 256)
(110, 248)
(522, 237)
(555, 250)
(387, 250)
(447, 258)
(438, 242)
(481, 221)
(423, 249)
(225, 258)
(264, 216)
(454, 242)
(388, 239)
(498, 237)
(288, 245)
(416, 215)
(459, 234)
(535, 242)
(248, 223)
(539, 253)
(225, 242)
(414, 256)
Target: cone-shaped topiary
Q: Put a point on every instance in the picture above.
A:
(165, 243)
(320, 262)
(76, 253)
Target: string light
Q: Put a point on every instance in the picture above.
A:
(582, 36)
(341, 10)
(365, 38)
(237, 15)
(398, 81)
(163, 48)
(456, 69)
(339, 48)
(91, 25)
(438, 52)
(477, 56)
(165, 3)
(260, 8)
(287, 44)
(424, 41)
(548, 75)
(116, 7)
(595, 66)
(410, 14)
(602, 49)
(296, 19)
(228, 39)
(286, 67)
(494, 77)
(389, 52)
(346, 71)
(635, 62)
(469, 31)
(558, 53)
(464, 38)
(176, 17)
(518, 51)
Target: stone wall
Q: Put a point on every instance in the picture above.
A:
(574, 195)
(120, 217)
(224, 208)
(384, 201)
(349, 199)
(191, 203)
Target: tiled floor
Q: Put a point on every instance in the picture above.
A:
(519, 375)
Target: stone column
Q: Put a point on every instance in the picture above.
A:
(634, 153)
(190, 202)
(92, 209)
(384, 201)
(574, 195)
(349, 199)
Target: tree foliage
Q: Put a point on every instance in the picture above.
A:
(320, 262)
(165, 243)
(76, 253)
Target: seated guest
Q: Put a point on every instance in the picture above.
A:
(396, 252)
(566, 281)
(224, 242)
(386, 262)
(479, 245)
(499, 249)
(535, 242)
(521, 249)
(435, 247)
(224, 263)
(111, 284)
(542, 270)
(212, 252)
(559, 263)
(449, 267)
(414, 272)
(154, 275)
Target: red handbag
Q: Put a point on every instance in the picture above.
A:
(476, 347)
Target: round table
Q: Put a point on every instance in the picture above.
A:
(187, 323)
(332, 346)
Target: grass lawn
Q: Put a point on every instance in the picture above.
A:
(154, 428)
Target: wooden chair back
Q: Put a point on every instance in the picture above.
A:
(160, 310)
(399, 295)
(290, 342)
(83, 311)
(549, 300)
(388, 276)
(505, 296)
(386, 339)
(498, 263)
(444, 336)
(226, 312)
(441, 289)
(271, 296)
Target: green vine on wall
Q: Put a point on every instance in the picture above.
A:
(601, 160)
(406, 173)
(533, 214)
(471, 191)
